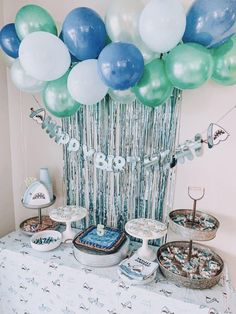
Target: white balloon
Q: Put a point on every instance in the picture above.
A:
(84, 83)
(44, 56)
(23, 81)
(162, 24)
(122, 24)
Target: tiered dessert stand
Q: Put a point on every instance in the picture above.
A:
(186, 263)
(146, 229)
(39, 223)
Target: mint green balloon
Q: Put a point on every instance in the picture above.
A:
(57, 99)
(189, 66)
(154, 88)
(225, 63)
(33, 18)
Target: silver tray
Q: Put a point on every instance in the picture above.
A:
(187, 282)
(56, 225)
(95, 259)
(188, 233)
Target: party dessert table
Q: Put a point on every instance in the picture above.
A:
(34, 282)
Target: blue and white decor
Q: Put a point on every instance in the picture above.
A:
(107, 173)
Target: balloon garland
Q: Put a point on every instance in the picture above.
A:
(144, 49)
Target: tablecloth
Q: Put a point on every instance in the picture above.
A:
(34, 282)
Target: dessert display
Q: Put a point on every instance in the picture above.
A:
(67, 215)
(91, 239)
(101, 246)
(203, 228)
(202, 270)
(33, 225)
(184, 262)
(146, 229)
(37, 196)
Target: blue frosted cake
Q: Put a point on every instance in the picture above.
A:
(109, 242)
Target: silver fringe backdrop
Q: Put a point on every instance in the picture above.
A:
(127, 130)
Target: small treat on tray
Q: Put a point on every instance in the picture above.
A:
(32, 225)
(201, 223)
(108, 241)
(201, 265)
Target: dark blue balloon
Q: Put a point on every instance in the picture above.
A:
(210, 22)
(9, 40)
(120, 65)
(84, 33)
(73, 58)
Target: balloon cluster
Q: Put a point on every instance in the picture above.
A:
(142, 50)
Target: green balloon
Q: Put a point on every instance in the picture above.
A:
(225, 63)
(57, 99)
(189, 66)
(154, 88)
(32, 18)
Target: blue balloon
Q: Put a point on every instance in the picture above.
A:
(9, 40)
(210, 22)
(73, 58)
(84, 33)
(120, 65)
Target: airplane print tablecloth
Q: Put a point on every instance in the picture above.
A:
(54, 282)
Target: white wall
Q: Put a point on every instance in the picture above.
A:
(32, 149)
(215, 170)
(6, 195)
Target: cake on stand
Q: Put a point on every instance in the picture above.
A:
(67, 215)
(146, 229)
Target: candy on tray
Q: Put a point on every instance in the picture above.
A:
(201, 265)
(201, 223)
(46, 240)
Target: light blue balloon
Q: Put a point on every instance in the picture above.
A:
(84, 33)
(9, 41)
(120, 65)
(210, 22)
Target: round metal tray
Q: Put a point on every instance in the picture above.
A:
(53, 226)
(187, 282)
(95, 259)
(187, 232)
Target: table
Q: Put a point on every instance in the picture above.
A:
(34, 282)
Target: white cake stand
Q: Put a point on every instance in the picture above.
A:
(67, 215)
(146, 229)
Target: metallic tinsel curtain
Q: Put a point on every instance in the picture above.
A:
(143, 188)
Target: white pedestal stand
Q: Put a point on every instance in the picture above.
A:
(67, 215)
(146, 229)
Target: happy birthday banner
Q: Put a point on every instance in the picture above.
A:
(185, 151)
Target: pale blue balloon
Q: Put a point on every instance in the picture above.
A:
(210, 22)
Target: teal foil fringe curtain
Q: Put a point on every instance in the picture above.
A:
(145, 137)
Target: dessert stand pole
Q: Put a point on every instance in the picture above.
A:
(195, 199)
(68, 234)
(146, 252)
(195, 189)
(40, 215)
